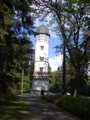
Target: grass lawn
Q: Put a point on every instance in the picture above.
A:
(16, 110)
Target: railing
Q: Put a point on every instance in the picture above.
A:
(40, 78)
(41, 72)
(38, 60)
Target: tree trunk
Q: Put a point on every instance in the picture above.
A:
(22, 81)
(64, 70)
(76, 91)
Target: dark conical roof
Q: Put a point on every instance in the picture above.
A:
(42, 29)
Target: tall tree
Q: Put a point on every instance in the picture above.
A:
(58, 80)
(73, 20)
(15, 20)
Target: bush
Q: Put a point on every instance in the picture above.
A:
(78, 106)
(26, 84)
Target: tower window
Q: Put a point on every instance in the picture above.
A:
(42, 47)
(41, 58)
(41, 69)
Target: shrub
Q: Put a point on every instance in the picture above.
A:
(78, 106)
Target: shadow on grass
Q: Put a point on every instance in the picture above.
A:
(17, 110)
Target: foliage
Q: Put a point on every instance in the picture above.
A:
(58, 80)
(15, 110)
(78, 106)
(70, 79)
(51, 78)
(71, 76)
(73, 23)
(15, 18)
(86, 89)
(26, 84)
(31, 73)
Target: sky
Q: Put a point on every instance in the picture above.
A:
(53, 59)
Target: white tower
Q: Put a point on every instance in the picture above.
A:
(40, 80)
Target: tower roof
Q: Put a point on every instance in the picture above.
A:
(43, 30)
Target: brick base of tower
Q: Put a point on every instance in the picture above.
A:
(39, 87)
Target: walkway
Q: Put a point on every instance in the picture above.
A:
(42, 110)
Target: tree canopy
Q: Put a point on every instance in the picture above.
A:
(15, 48)
(73, 25)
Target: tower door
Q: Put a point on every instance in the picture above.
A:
(42, 92)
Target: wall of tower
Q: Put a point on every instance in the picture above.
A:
(40, 85)
(40, 81)
(41, 50)
(41, 64)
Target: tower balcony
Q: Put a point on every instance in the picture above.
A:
(41, 59)
(40, 78)
(42, 73)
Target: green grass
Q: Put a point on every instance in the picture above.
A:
(16, 110)
(78, 106)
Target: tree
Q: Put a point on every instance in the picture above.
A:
(51, 79)
(15, 20)
(27, 59)
(73, 20)
(58, 80)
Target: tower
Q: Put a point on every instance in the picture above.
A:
(40, 80)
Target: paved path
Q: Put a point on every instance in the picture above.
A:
(42, 110)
